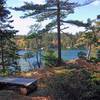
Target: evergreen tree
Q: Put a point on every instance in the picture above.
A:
(33, 33)
(56, 11)
(7, 45)
(90, 35)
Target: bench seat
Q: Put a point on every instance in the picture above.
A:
(24, 85)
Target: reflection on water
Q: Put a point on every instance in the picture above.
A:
(27, 64)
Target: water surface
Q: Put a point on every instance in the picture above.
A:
(31, 63)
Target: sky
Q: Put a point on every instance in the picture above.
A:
(81, 13)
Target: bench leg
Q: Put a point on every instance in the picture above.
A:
(27, 90)
(24, 90)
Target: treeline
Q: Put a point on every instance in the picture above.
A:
(49, 40)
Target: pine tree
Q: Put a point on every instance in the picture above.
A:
(7, 45)
(56, 11)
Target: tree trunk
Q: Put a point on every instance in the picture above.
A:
(93, 42)
(37, 53)
(89, 52)
(58, 35)
(2, 55)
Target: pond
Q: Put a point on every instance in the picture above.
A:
(27, 64)
(71, 54)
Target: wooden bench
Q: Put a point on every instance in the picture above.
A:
(22, 85)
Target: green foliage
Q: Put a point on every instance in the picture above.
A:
(97, 58)
(77, 85)
(98, 54)
(93, 59)
(50, 58)
(4, 72)
(77, 23)
(91, 37)
(7, 45)
(82, 55)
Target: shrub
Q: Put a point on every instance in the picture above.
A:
(3, 72)
(50, 58)
(98, 54)
(82, 55)
(95, 60)
(77, 85)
